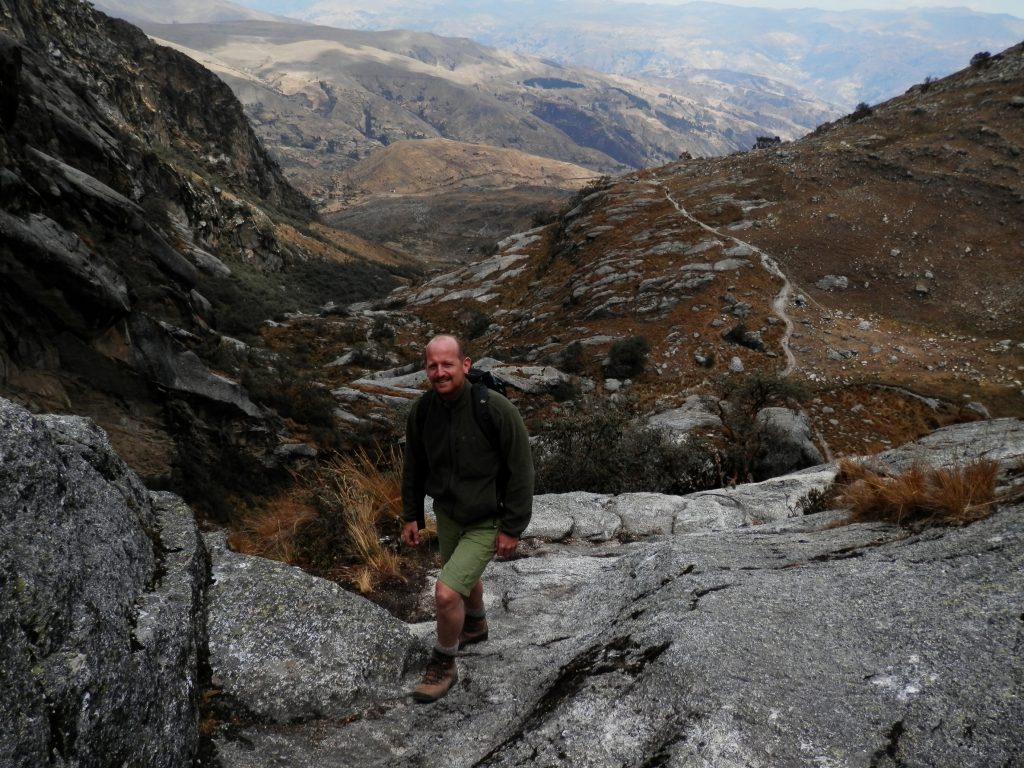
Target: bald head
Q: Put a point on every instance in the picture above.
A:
(445, 340)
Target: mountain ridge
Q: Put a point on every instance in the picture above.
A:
(842, 57)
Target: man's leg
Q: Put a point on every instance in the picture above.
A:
(474, 628)
(474, 601)
(451, 615)
(464, 554)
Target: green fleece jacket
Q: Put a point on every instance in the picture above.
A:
(453, 462)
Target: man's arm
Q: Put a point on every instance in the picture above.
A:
(515, 447)
(414, 474)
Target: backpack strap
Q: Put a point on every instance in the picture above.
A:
(420, 481)
(482, 414)
(481, 393)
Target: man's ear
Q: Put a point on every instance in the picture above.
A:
(466, 364)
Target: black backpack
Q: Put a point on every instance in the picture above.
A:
(481, 383)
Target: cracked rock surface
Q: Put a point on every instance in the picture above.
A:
(789, 642)
(101, 603)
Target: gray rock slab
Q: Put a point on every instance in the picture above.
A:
(728, 265)
(45, 248)
(290, 646)
(179, 369)
(751, 503)
(647, 514)
(533, 379)
(999, 440)
(407, 378)
(695, 413)
(558, 516)
(860, 645)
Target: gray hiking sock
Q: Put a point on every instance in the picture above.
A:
(450, 651)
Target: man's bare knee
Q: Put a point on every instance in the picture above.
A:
(446, 597)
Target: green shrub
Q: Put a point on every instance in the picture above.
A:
(981, 59)
(603, 448)
(627, 358)
(564, 390)
(290, 392)
(571, 359)
(861, 111)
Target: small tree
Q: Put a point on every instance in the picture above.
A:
(744, 433)
(627, 358)
(767, 142)
(861, 111)
(981, 59)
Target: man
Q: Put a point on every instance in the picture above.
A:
(482, 492)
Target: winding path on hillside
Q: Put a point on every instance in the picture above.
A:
(779, 303)
(770, 265)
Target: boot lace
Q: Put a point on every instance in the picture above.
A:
(436, 669)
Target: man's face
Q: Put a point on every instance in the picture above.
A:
(445, 369)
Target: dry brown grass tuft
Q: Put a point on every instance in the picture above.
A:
(274, 531)
(921, 496)
(365, 491)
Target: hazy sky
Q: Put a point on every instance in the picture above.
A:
(1013, 7)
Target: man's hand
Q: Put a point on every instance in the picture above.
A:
(506, 545)
(411, 533)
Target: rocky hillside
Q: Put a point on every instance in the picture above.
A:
(141, 220)
(874, 260)
(723, 628)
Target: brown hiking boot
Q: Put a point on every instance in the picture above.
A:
(440, 676)
(473, 631)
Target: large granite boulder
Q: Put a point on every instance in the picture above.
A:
(788, 444)
(101, 597)
(288, 646)
(718, 629)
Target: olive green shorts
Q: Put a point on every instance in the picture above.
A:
(465, 551)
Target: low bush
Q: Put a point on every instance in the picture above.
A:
(599, 447)
(291, 392)
(861, 111)
(921, 496)
(981, 59)
(571, 358)
(627, 358)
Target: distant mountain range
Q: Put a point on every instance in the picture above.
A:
(708, 80)
(841, 57)
(325, 97)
